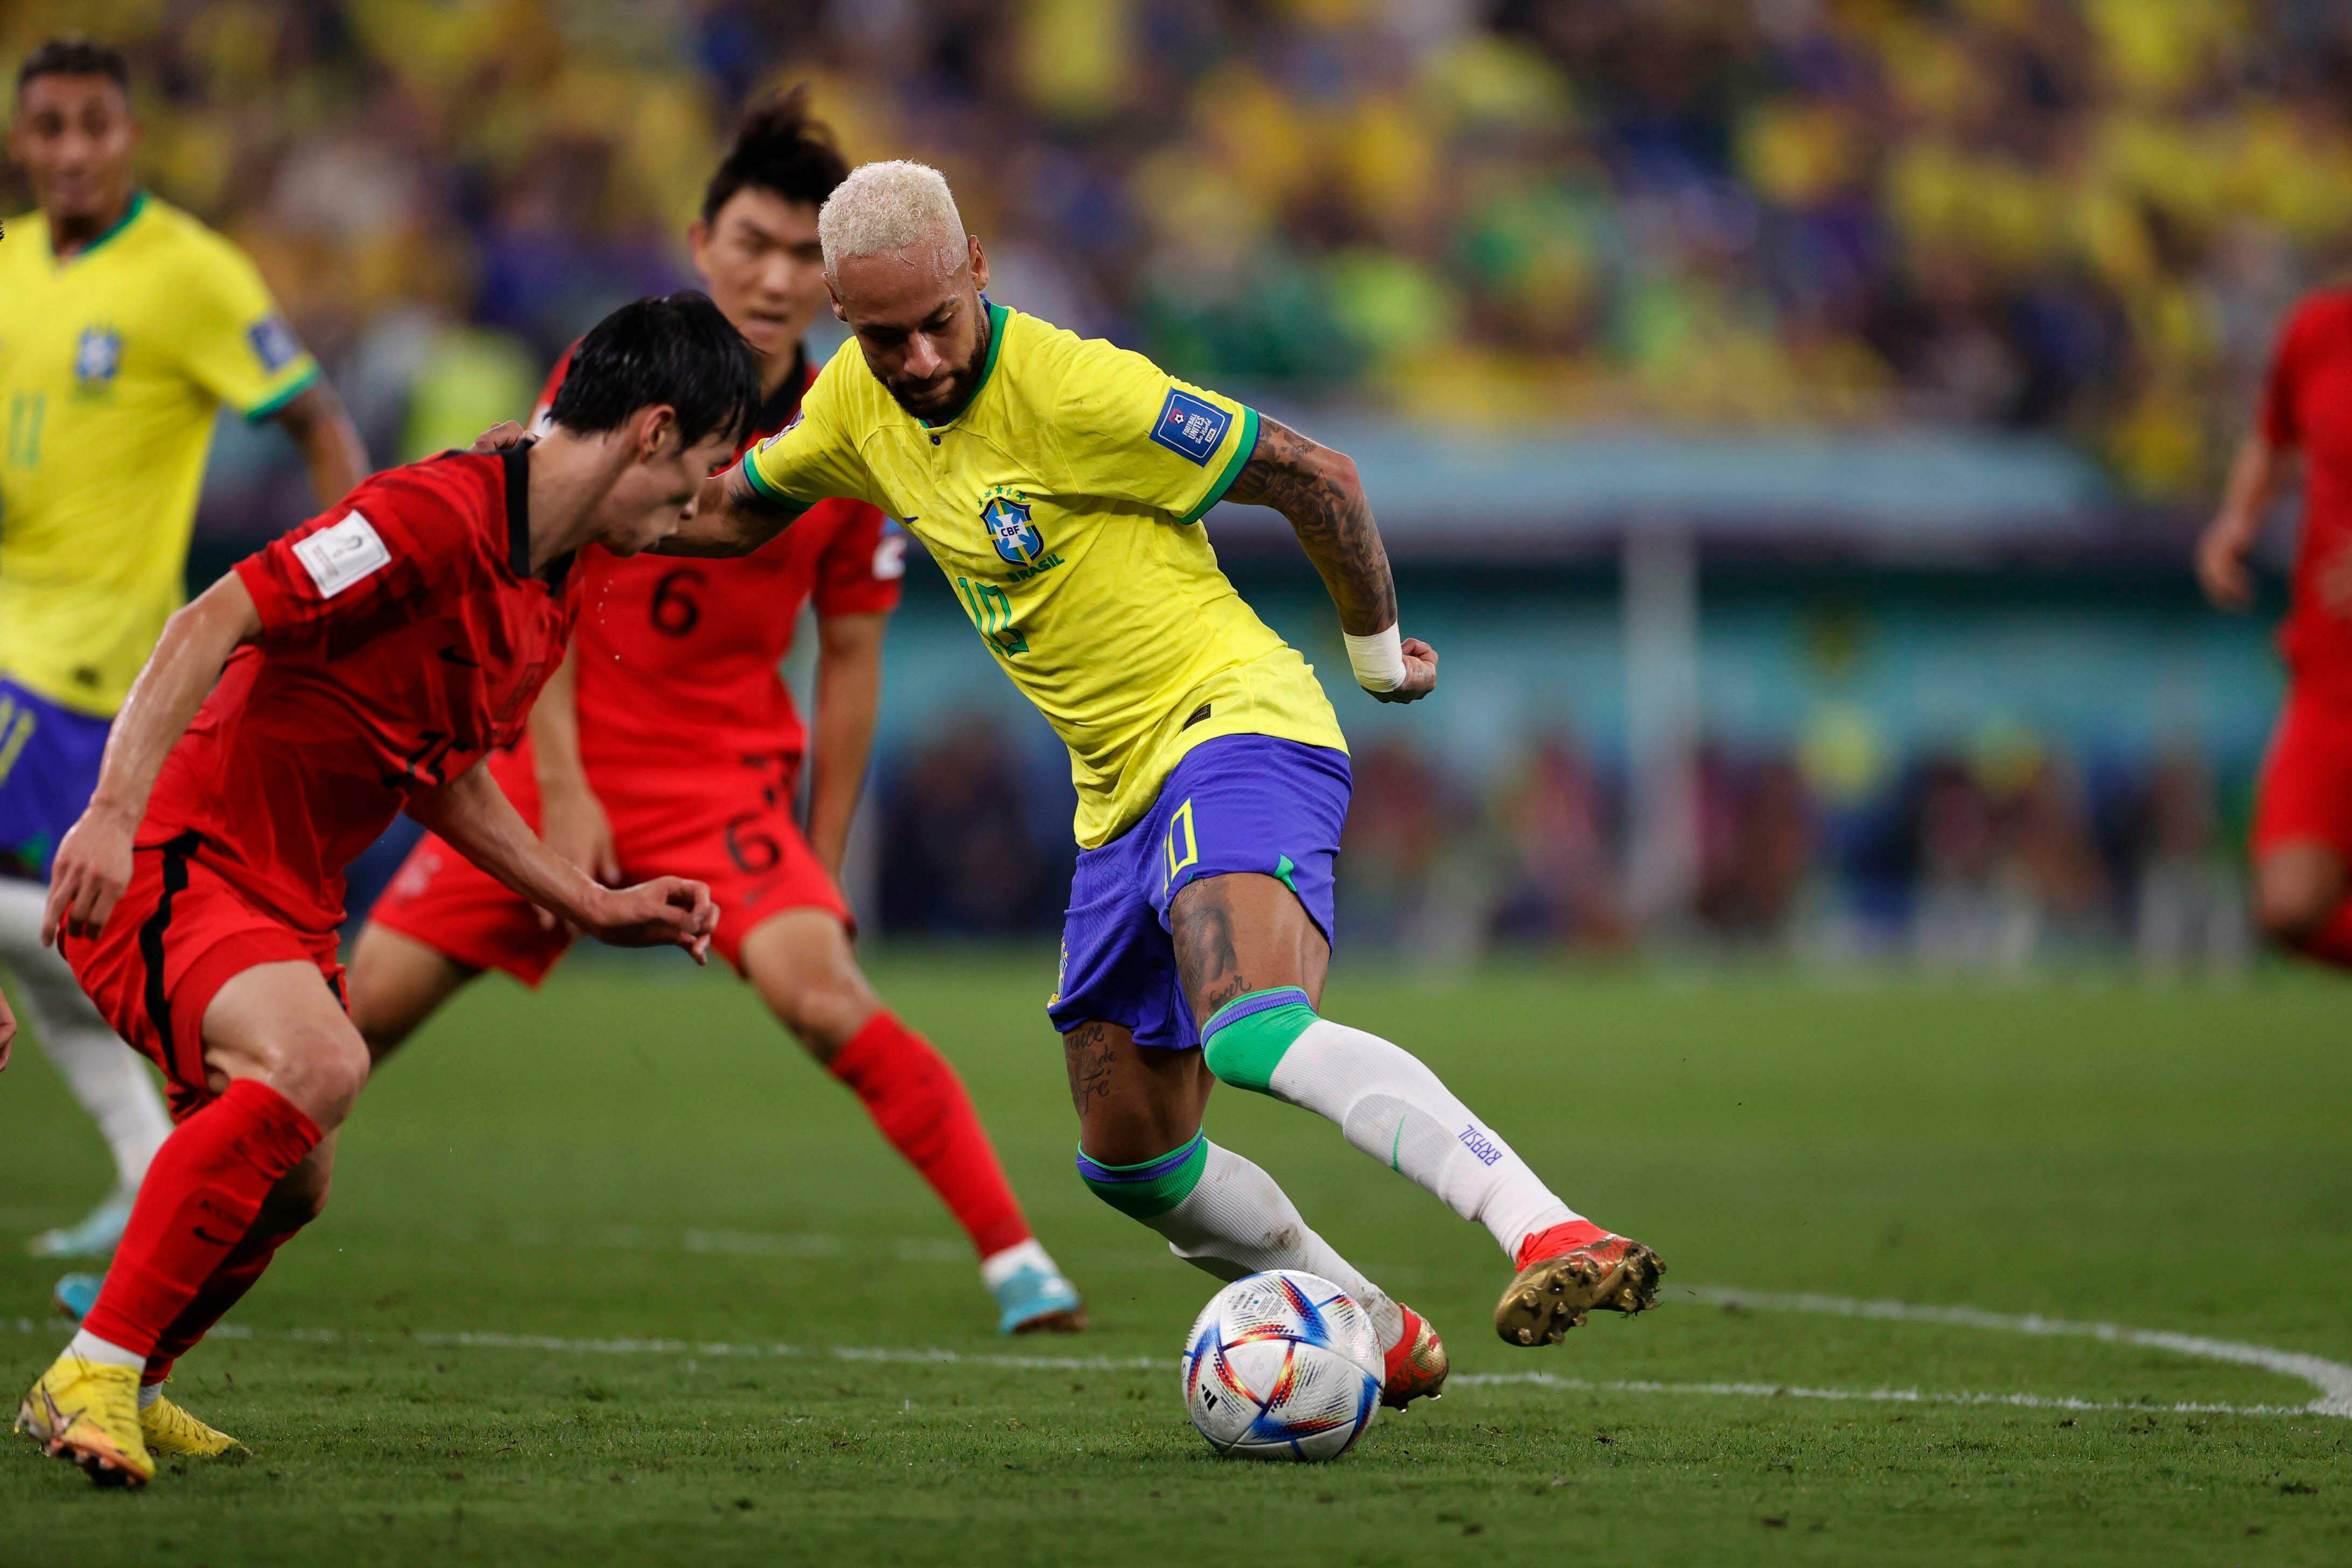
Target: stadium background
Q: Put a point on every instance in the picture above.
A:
(1790, 418)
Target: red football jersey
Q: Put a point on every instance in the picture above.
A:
(678, 658)
(2307, 406)
(403, 636)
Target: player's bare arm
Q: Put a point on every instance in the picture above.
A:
(93, 862)
(848, 696)
(572, 820)
(1318, 491)
(730, 517)
(322, 428)
(475, 817)
(2257, 475)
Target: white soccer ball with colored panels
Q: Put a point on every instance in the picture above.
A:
(1282, 1366)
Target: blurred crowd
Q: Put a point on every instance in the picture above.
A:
(2080, 216)
(1990, 858)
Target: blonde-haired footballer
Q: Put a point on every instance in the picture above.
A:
(1060, 485)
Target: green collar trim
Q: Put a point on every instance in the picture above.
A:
(997, 316)
(129, 215)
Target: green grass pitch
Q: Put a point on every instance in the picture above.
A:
(613, 1274)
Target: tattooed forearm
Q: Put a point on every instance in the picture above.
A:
(1086, 1052)
(1317, 489)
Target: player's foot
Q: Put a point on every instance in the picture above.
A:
(76, 1294)
(1031, 1296)
(1567, 1271)
(87, 1412)
(1417, 1363)
(172, 1431)
(92, 1236)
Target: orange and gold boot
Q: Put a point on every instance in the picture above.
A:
(1417, 1363)
(1568, 1270)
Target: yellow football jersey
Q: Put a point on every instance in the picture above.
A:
(112, 363)
(1064, 503)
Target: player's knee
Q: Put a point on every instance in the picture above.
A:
(2295, 896)
(320, 1070)
(825, 1013)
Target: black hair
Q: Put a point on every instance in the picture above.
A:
(74, 55)
(677, 349)
(781, 149)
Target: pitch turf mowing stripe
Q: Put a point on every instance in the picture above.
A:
(2333, 1379)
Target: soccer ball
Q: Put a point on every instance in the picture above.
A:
(1282, 1366)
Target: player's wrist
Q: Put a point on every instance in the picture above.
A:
(1378, 659)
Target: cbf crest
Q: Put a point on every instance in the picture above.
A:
(98, 354)
(1009, 528)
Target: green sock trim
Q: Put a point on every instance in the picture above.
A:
(1244, 1040)
(1151, 1188)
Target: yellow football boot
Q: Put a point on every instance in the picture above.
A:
(87, 1412)
(173, 1433)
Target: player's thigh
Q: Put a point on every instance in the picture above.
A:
(1134, 1103)
(281, 1023)
(800, 963)
(1241, 932)
(395, 983)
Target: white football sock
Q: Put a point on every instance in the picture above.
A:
(1238, 1221)
(104, 1074)
(998, 1266)
(1394, 1109)
(89, 1347)
(148, 1393)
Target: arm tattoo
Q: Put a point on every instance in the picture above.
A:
(1317, 489)
(1206, 963)
(1086, 1052)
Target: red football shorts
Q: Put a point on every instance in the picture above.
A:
(2307, 783)
(731, 828)
(179, 934)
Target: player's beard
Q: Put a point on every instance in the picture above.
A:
(965, 382)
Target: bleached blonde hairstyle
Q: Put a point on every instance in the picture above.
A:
(888, 206)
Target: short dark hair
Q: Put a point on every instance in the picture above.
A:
(75, 55)
(676, 349)
(780, 149)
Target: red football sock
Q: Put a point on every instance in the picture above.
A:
(238, 1273)
(919, 1104)
(199, 1199)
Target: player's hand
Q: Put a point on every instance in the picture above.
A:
(506, 433)
(93, 866)
(2221, 566)
(1420, 674)
(668, 911)
(572, 823)
(7, 1032)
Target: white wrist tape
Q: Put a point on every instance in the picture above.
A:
(1378, 661)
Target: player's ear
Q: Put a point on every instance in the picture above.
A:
(833, 294)
(698, 238)
(979, 262)
(655, 426)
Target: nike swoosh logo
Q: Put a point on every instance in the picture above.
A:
(204, 1235)
(453, 653)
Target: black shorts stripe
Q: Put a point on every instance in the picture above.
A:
(150, 940)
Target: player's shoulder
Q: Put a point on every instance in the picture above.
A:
(450, 499)
(175, 238)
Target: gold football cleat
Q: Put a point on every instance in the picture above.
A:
(87, 1412)
(1551, 1294)
(1417, 1363)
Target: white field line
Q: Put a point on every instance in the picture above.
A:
(2333, 1379)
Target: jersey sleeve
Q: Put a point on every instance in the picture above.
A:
(234, 343)
(367, 566)
(816, 457)
(860, 569)
(539, 410)
(1131, 432)
(2280, 426)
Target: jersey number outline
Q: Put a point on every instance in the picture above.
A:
(674, 612)
(1191, 856)
(27, 411)
(992, 612)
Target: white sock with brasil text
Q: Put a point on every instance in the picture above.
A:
(1222, 1214)
(1386, 1103)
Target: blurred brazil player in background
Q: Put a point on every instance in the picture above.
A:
(1059, 483)
(364, 664)
(124, 325)
(669, 740)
